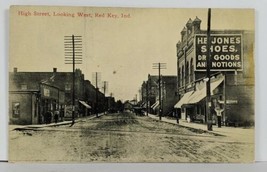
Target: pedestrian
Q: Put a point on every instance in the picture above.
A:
(56, 116)
(213, 113)
(219, 111)
(188, 119)
(62, 114)
(177, 117)
(49, 118)
(46, 117)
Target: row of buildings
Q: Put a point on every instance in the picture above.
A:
(231, 77)
(32, 94)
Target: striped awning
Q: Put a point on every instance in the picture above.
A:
(155, 105)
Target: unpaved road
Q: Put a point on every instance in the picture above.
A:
(125, 137)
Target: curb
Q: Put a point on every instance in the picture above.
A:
(32, 127)
(193, 129)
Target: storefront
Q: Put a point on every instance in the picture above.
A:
(193, 103)
(51, 100)
(23, 107)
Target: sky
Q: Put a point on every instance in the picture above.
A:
(121, 49)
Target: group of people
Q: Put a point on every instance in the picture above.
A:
(48, 117)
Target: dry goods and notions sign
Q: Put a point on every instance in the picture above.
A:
(225, 52)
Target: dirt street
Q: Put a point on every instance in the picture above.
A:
(125, 137)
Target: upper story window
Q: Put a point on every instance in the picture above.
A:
(23, 87)
(67, 87)
(189, 31)
(191, 70)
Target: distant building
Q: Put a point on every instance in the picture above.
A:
(128, 105)
(111, 104)
(150, 94)
(232, 73)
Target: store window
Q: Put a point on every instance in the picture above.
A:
(15, 109)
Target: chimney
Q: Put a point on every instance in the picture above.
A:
(196, 25)
(15, 70)
(54, 70)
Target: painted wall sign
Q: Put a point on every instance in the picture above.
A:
(226, 52)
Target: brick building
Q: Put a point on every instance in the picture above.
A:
(232, 73)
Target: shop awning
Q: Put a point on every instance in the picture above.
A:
(183, 100)
(155, 105)
(201, 94)
(85, 104)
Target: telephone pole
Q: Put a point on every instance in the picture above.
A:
(105, 87)
(159, 66)
(96, 77)
(73, 55)
(147, 99)
(209, 117)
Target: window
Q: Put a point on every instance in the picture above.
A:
(189, 32)
(179, 77)
(191, 70)
(23, 86)
(15, 109)
(182, 75)
(67, 87)
(187, 73)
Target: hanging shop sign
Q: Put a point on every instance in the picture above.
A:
(46, 92)
(225, 52)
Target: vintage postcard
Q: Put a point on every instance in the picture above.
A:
(91, 84)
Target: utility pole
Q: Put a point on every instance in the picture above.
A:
(96, 93)
(105, 87)
(209, 116)
(73, 55)
(105, 84)
(147, 98)
(159, 66)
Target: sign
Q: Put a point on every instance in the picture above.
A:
(46, 92)
(225, 51)
(231, 102)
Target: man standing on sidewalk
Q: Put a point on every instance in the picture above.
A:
(219, 111)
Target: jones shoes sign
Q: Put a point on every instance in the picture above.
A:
(225, 52)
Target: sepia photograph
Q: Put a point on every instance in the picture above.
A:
(138, 85)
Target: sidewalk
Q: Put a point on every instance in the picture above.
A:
(238, 132)
(13, 127)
